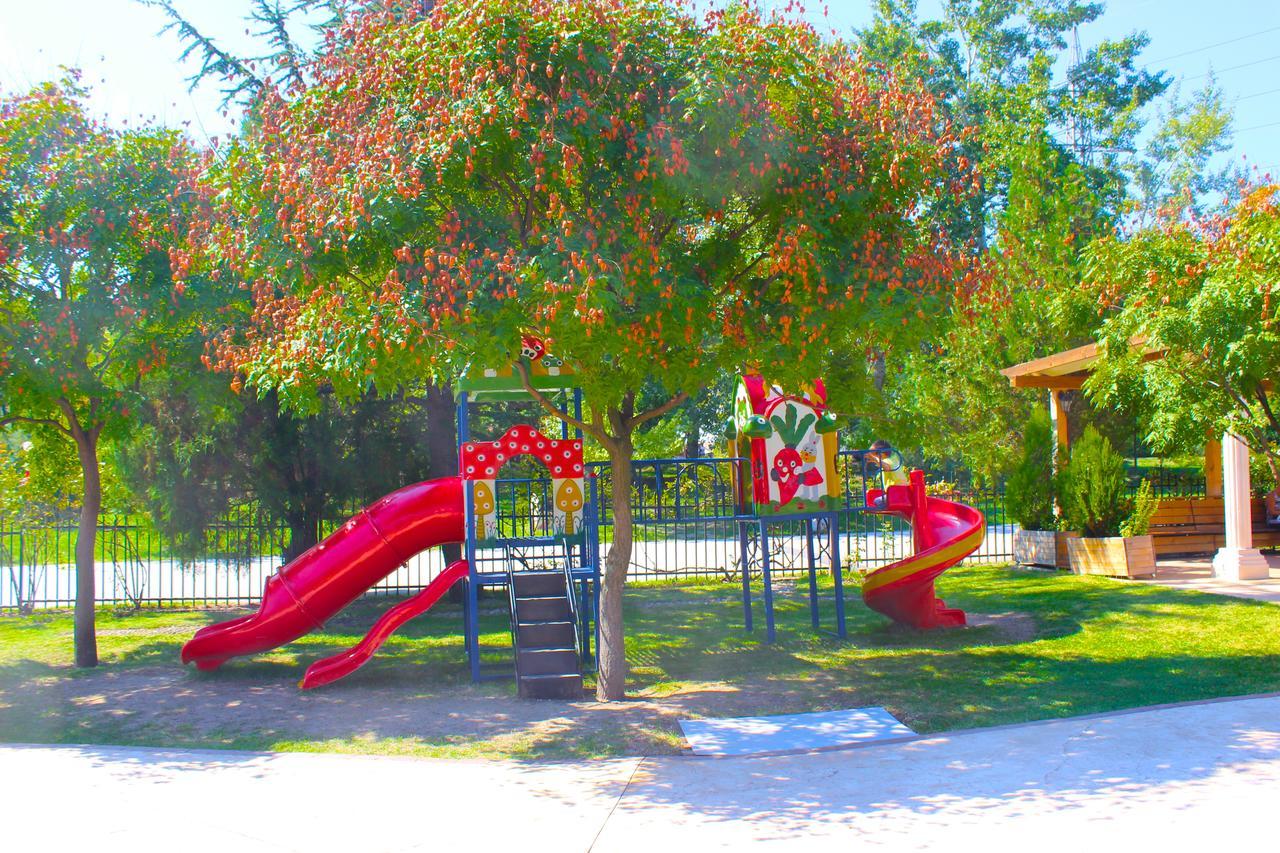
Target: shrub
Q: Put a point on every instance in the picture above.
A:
(1029, 488)
(1092, 487)
(1144, 506)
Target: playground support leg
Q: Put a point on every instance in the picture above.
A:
(813, 573)
(584, 619)
(837, 574)
(745, 560)
(471, 615)
(771, 633)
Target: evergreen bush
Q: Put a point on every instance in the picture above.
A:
(1029, 487)
(1144, 506)
(1092, 487)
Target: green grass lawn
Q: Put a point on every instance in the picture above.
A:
(1046, 645)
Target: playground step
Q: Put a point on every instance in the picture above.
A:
(548, 662)
(545, 635)
(531, 584)
(551, 686)
(551, 608)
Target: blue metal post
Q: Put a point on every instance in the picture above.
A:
(770, 632)
(472, 614)
(837, 574)
(594, 539)
(471, 599)
(745, 559)
(813, 572)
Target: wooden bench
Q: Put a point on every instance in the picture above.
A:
(1196, 526)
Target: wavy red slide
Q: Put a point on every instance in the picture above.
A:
(308, 591)
(330, 669)
(944, 533)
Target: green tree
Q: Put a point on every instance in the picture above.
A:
(1174, 175)
(196, 450)
(1200, 292)
(1049, 152)
(658, 197)
(1093, 487)
(1029, 490)
(200, 448)
(87, 305)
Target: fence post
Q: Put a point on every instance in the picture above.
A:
(22, 583)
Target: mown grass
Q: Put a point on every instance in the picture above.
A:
(1052, 646)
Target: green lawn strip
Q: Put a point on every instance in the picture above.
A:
(1050, 646)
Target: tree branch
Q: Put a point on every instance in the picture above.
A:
(1261, 394)
(594, 430)
(24, 419)
(659, 411)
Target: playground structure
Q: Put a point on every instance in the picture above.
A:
(537, 538)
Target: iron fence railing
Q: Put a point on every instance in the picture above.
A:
(686, 526)
(1168, 482)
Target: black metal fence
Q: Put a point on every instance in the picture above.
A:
(685, 527)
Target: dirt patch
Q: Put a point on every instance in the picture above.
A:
(166, 705)
(1013, 627)
(164, 631)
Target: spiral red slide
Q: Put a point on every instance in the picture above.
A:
(944, 533)
(308, 591)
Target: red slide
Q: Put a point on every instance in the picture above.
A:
(342, 664)
(304, 594)
(944, 533)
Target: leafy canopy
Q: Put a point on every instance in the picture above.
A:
(654, 194)
(87, 305)
(1201, 293)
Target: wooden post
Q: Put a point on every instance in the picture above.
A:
(1213, 468)
(1238, 559)
(1061, 437)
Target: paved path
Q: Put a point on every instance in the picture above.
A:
(1197, 574)
(1181, 778)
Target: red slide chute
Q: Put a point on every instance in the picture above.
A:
(310, 590)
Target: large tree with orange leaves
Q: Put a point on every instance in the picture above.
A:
(655, 194)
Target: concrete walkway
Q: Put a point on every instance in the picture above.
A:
(1197, 573)
(1189, 777)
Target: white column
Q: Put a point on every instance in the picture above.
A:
(1238, 560)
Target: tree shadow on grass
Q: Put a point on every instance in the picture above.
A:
(689, 657)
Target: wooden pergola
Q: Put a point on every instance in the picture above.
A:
(1226, 462)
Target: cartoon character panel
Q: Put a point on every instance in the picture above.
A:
(791, 443)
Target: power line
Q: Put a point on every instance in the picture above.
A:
(1257, 94)
(1257, 127)
(1210, 46)
(1233, 68)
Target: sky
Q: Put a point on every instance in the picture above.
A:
(135, 73)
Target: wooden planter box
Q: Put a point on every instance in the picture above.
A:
(1114, 556)
(1046, 548)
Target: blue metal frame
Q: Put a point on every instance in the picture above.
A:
(691, 502)
(582, 557)
(810, 520)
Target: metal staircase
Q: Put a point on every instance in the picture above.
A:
(544, 624)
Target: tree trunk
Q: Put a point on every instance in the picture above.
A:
(693, 436)
(442, 455)
(304, 532)
(85, 634)
(611, 682)
(442, 444)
